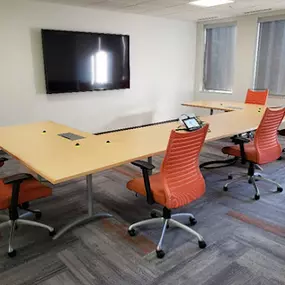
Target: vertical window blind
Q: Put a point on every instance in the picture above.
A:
(270, 59)
(219, 58)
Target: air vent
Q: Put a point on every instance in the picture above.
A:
(207, 19)
(257, 11)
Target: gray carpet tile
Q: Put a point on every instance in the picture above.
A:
(245, 238)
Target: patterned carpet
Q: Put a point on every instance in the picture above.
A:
(245, 238)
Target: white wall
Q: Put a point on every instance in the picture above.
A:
(162, 68)
(247, 28)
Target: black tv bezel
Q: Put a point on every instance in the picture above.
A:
(83, 32)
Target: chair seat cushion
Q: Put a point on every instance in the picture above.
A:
(30, 190)
(270, 155)
(137, 185)
(249, 148)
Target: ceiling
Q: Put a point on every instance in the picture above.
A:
(178, 9)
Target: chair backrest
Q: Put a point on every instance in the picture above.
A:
(180, 172)
(266, 139)
(258, 97)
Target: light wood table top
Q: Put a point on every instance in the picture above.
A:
(232, 123)
(221, 105)
(58, 159)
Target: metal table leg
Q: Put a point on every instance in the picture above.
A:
(218, 163)
(87, 218)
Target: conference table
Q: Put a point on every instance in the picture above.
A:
(226, 106)
(39, 147)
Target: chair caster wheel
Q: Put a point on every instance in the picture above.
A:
(249, 181)
(52, 233)
(202, 244)
(230, 177)
(225, 188)
(153, 214)
(256, 197)
(38, 215)
(160, 254)
(192, 221)
(279, 189)
(132, 232)
(13, 253)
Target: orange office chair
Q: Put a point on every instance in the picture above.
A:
(263, 149)
(258, 97)
(16, 192)
(179, 182)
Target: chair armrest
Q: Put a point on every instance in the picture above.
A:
(241, 141)
(2, 161)
(145, 167)
(143, 164)
(16, 181)
(281, 132)
(17, 178)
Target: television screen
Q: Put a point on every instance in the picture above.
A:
(79, 61)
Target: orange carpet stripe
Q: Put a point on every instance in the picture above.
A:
(143, 244)
(277, 230)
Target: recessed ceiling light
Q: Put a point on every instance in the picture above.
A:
(210, 3)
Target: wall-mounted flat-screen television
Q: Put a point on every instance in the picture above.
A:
(79, 61)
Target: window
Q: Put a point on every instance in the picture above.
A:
(219, 58)
(270, 58)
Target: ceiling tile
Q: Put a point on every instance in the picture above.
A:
(175, 9)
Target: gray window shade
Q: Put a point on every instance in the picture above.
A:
(270, 61)
(219, 58)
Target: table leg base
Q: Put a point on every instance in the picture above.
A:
(81, 221)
